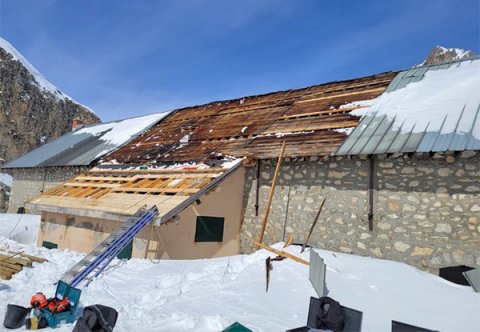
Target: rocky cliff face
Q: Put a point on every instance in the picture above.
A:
(440, 54)
(32, 110)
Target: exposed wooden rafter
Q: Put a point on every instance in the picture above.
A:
(102, 194)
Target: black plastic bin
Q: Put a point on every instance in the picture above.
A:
(15, 316)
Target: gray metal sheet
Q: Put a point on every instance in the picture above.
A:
(378, 135)
(366, 135)
(381, 135)
(48, 151)
(72, 149)
(317, 272)
(355, 134)
(384, 145)
(473, 278)
(394, 83)
(413, 141)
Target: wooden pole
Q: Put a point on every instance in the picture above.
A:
(282, 253)
(289, 240)
(313, 225)
(270, 197)
(371, 192)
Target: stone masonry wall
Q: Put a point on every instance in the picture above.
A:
(4, 195)
(29, 182)
(426, 208)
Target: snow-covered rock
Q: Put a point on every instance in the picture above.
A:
(440, 54)
(33, 110)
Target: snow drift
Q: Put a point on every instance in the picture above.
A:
(211, 294)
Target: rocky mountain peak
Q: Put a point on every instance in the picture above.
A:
(440, 54)
(32, 110)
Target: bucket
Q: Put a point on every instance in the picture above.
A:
(15, 316)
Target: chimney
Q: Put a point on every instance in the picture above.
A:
(77, 124)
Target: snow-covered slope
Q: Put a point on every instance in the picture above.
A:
(211, 294)
(40, 80)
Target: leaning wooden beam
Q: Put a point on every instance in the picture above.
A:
(289, 240)
(313, 225)
(272, 190)
(282, 253)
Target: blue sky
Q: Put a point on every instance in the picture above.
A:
(128, 58)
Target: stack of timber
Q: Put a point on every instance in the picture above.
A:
(13, 262)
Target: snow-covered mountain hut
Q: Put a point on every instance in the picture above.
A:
(404, 184)
(179, 165)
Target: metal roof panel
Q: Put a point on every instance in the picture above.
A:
(85, 145)
(450, 131)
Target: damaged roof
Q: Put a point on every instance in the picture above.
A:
(425, 109)
(83, 146)
(118, 193)
(311, 120)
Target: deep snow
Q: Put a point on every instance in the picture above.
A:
(210, 294)
(22, 228)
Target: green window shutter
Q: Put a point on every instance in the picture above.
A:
(209, 229)
(49, 245)
(126, 252)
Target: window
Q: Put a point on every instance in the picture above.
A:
(49, 245)
(209, 229)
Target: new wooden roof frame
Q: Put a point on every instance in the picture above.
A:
(119, 217)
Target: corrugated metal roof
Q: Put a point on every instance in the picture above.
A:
(85, 145)
(393, 124)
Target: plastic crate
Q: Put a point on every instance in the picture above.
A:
(73, 294)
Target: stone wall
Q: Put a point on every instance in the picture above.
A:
(426, 208)
(4, 196)
(29, 182)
